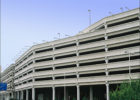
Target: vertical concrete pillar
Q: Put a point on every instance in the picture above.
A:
(27, 94)
(65, 93)
(18, 95)
(107, 91)
(78, 92)
(33, 93)
(5, 96)
(8, 96)
(91, 93)
(12, 95)
(21, 95)
(53, 92)
(77, 44)
(1, 96)
(15, 95)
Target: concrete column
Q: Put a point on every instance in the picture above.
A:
(21, 95)
(33, 61)
(18, 95)
(33, 77)
(78, 92)
(4, 96)
(106, 48)
(1, 96)
(8, 96)
(33, 93)
(27, 94)
(105, 25)
(12, 95)
(53, 93)
(33, 52)
(91, 93)
(107, 91)
(65, 93)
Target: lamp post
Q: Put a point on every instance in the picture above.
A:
(121, 9)
(129, 56)
(89, 11)
(58, 35)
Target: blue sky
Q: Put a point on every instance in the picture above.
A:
(26, 22)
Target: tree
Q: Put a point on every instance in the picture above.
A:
(127, 91)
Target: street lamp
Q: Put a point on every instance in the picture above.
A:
(58, 35)
(127, 8)
(110, 13)
(89, 16)
(121, 9)
(129, 56)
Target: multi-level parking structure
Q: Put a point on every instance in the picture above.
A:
(87, 65)
(8, 77)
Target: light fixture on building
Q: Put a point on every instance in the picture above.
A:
(89, 11)
(127, 8)
(121, 9)
(110, 13)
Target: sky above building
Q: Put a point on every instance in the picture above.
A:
(28, 22)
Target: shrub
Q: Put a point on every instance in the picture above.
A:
(127, 91)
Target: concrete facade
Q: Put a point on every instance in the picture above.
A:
(87, 65)
(8, 77)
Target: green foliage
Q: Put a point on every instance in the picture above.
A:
(74, 98)
(94, 98)
(127, 91)
(84, 98)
